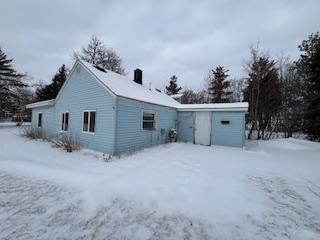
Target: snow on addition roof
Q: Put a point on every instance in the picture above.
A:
(41, 104)
(239, 106)
(124, 87)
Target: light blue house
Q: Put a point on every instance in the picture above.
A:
(110, 113)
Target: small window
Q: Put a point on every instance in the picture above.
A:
(89, 121)
(148, 121)
(39, 119)
(64, 121)
(225, 122)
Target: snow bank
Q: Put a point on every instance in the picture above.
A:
(225, 186)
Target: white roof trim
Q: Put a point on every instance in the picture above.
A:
(122, 86)
(65, 82)
(216, 107)
(212, 109)
(41, 104)
(88, 70)
(97, 79)
(152, 97)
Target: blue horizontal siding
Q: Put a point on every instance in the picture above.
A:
(81, 93)
(228, 135)
(130, 136)
(118, 119)
(47, 113)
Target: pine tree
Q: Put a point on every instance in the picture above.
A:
(99, 55)
(309, 68)
(263, 92)
(50, 91)
(218, 89)
(292, 91)
(9, 79)
(173, 88)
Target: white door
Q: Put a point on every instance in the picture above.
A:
(203, 128)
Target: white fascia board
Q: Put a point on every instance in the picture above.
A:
(98, 80)
(212, 109)
(41, 104)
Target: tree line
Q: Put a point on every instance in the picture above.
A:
(283, 95)
(16, 90)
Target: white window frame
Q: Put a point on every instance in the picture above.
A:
(155, 120)
(95, 124)
(38, 119)
(61, 121)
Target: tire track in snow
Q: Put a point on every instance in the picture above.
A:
(289, 214)
(42, 210)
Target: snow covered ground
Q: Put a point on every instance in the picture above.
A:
(269, 190)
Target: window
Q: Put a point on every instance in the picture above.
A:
(39, 119)
(148, 121)
(225, 122)
(64, 121)
(89, 121)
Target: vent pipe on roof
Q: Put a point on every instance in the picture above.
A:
(100, 68)
(138, 76)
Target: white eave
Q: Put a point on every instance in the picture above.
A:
(41, 104)
(214, 107)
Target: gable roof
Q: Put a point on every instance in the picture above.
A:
(119, 85)
(124, 87)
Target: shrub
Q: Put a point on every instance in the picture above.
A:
(33, 133)
(67, 143)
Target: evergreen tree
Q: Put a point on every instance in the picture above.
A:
(99, 55)
(218, 88)
(173, 88)
(292, 91)
(263, 92)
(51, 90)
(9, 79)
(309, 68)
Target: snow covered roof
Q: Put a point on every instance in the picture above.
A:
(125, 87)
(239, 106)
(41, 104)
(122, 86)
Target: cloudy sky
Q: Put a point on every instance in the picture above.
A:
(163, 38)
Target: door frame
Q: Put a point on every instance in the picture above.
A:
(210, 126)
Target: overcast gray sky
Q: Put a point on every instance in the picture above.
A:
(163, 38)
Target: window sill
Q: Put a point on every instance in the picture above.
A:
(91, 133)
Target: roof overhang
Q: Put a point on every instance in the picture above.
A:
(41, 104)
(215, 107)
(212, 109)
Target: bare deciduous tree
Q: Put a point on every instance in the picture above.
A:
(98, 54)
(237, 87)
